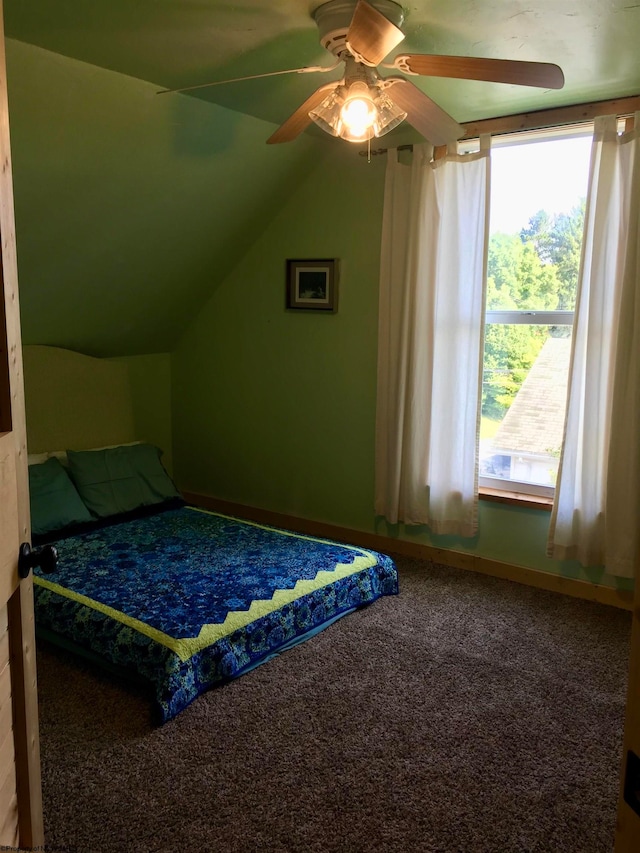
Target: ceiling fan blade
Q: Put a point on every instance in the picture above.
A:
(297, 122)
(371, 36)
(308, 69)
(423, 113)
(542, 74)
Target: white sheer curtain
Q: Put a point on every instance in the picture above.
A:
(432, 287)
(596, 513)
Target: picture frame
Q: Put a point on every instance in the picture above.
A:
(312, 285)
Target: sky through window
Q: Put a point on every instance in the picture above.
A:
(549, 176)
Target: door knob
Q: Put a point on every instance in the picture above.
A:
(46, 557)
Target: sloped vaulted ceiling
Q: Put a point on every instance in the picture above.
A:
(130, 209)
(131, 206)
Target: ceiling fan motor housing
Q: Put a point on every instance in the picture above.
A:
(333, 20)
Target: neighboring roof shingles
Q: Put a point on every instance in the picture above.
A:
(535, 421)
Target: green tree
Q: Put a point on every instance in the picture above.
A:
(538, 232)
(538, 282)
(509, 352)
(534, 270)
(557, 241)
(567, 252)
(516, 279)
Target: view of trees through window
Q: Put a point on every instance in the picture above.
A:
(537, 219)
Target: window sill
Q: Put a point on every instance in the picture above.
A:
(516, 498)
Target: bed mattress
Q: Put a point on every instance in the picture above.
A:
(186, 599)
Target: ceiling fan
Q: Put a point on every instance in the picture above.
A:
(363, 104)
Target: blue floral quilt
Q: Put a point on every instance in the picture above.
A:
(187, 599)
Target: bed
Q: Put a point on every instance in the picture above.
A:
(176, 597)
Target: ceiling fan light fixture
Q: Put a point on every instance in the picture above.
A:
(363, 33)
(357, 113)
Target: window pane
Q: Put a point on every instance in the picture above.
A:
(537, 216)
(523, 401)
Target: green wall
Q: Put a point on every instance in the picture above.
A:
(276, 409)
(150, 378)
(273, 408)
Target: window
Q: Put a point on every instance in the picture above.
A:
(539, 186)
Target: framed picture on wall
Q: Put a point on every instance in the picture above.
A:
(312, 285)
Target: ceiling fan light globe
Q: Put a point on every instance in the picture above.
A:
(389, 114)
(327, 114)
(358, 115)
(357, 134)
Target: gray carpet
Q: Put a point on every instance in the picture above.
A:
(467, 714)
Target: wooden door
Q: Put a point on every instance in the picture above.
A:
(628, 829)
(20, 793)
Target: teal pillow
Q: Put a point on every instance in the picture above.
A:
(55, 503)
(119, 479)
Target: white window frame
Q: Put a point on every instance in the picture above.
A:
(534, 318)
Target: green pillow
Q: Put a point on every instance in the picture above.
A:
(118, 479)
(55, 503)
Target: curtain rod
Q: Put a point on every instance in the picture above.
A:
(538, 120)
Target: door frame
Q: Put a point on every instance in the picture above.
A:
(13, 441)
